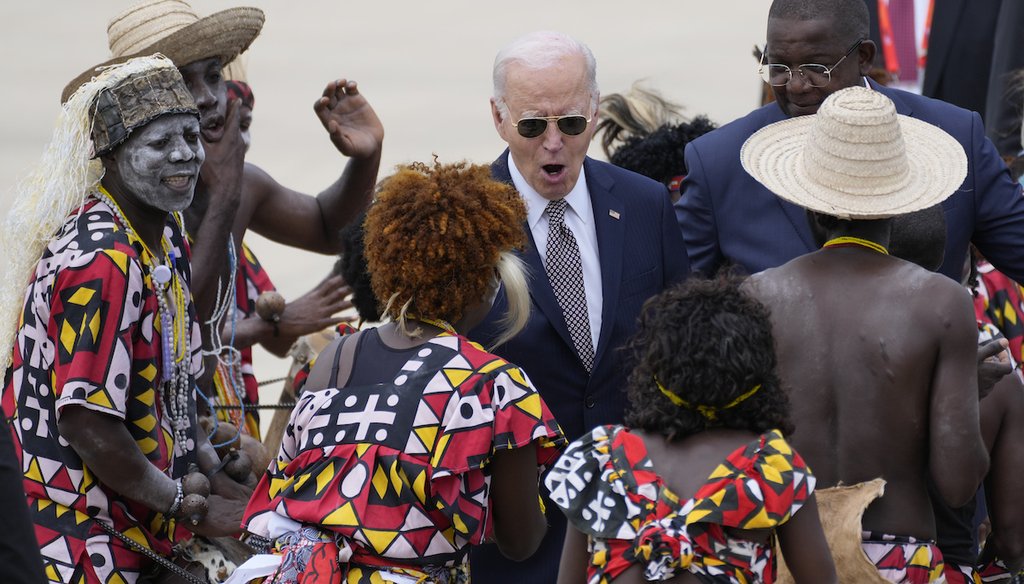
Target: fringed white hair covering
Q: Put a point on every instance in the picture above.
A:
(57, 186)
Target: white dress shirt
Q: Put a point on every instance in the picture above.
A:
(579, 218)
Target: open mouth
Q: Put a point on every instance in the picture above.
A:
(181, 181)
(213, 128)
(553, 169)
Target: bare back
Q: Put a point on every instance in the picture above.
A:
(878, 357)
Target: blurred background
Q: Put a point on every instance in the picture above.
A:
(425, 68)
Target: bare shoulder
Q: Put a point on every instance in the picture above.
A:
(257, 183)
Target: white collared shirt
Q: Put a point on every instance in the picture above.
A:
(579, 218)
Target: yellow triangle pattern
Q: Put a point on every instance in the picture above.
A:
(147, 445)
(119, 259)
(100, 398)
(517, 375)
(34, 473)
(87, 480)
(531, 405)
(380, 540)
(343, 516)
(149, 374)
(116, 578)
(456, 377)
(427, 435)
(147, 422)
(136, 534)
(51, 573)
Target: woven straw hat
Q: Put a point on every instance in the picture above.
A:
(173, 28)
(856, 159)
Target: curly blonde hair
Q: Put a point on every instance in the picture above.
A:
(434, 237)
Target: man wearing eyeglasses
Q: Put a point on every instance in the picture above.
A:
(815, 48)
(602, 241)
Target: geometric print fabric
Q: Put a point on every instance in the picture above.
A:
(89, 338)
(609, 489)
(396, 470)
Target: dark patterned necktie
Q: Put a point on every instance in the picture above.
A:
(565, 272)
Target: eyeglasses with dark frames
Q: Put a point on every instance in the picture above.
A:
(570, 125)
(813, 74)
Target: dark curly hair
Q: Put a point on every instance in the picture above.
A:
(659, 155)
(352, 266)
(709, 343)
(434, 236)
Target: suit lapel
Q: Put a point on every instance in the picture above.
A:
(796, 215)
(610, 223)
(540, 288)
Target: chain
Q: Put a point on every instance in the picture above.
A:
(281, 406)
(164, 562)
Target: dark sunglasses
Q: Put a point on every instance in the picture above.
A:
(570, 125)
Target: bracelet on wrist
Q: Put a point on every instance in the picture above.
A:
(178, 498)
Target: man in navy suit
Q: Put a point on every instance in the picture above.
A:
(728, 217)
(624, 247)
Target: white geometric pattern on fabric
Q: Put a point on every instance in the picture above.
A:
(565, 272)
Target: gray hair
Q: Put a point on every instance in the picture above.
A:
(537, 50)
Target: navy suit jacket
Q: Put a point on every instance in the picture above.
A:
(641, 253)
(728, 217)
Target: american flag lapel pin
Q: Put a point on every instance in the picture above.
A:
(613, 213)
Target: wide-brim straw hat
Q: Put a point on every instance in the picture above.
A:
(173, 28)
(856, 158)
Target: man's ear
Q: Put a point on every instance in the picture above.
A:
(497, 118)
(866, 56)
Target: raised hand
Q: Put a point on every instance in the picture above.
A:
(315, 310)
(352, 124)
(221, 174)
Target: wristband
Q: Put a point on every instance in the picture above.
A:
(178, 497)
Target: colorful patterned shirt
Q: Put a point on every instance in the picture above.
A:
(90, 337)
(397, 471)
(609, 489)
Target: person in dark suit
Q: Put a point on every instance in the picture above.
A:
(973, 49)
(602, 241)
(727, 217)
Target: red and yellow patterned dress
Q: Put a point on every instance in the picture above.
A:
(393, 477)
(609, 490)
(90, 337)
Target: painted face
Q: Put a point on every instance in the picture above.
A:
(244, 122)
(797, 42)
(550, 162)
(159, 163)
(203, 78)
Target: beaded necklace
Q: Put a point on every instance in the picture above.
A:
(848, 241)
(174, 324)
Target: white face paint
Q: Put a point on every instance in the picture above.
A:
(159, 162)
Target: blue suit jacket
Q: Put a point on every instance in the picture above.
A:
(641, 253)
(728, 217)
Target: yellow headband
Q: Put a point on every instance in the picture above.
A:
(709, 412)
